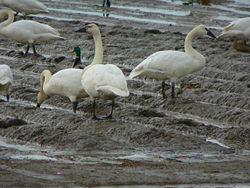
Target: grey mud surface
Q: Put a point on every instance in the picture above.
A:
(201, 138)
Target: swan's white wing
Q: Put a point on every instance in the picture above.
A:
(240, 24)
(165, 64)
(66, 82)
(30, 31)
(26, 6)
(107, 79)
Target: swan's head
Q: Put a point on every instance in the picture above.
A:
(4, 13)
(203, 30)
(92, 29)
(40, 98)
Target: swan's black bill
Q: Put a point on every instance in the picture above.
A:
(82, 30)
(38, 105)
(209, 33)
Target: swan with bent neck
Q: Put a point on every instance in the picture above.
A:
(102, 81)
(67, 82)
(239, 31)
(25, 7)
(173, 65)
(27, 31)
(6, 79)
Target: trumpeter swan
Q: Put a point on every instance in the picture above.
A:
(102, 81)
(25, 7)
(6, 79)
(66, 83)
(27, 31)
(238, 30)
(172, 65)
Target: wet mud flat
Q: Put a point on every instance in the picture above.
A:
(201, 138)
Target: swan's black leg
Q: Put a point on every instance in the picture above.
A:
(34, 50)
(108, 3)
(94, 112)
(172, 92)
(111, 113)
(74, 106)
(7, 97)
(163, 89)
(27, 50)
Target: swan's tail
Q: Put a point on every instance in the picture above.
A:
(5, 81)
(109, 90)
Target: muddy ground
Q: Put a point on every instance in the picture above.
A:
(201, 138)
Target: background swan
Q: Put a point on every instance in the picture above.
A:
(27, 31)
(172, 65)
(25, 7)
(6, 79)
(238, 30)
(102, 81)
(66, 83)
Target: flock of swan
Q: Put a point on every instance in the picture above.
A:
(97, 80)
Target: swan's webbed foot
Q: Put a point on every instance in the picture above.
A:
(110, 116)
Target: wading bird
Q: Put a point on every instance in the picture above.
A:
(6, 80)
(27, 31)
(25, 7)
(173, 65)
(102, 81)
(239, 31)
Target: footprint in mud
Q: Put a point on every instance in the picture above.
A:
(10, 122)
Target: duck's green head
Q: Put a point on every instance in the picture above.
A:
(77, 50)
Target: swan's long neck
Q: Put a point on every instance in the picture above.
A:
(191, 51)
(98, 58)
(10, 19)
(45, 77)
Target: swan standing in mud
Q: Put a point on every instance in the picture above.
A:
(6, 79)
(27, 31)
(65, 83)
(102, 81)
(25, 7)
(238, 30)
(172, 65)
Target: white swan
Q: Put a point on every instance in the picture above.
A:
(27, 31)
(172, 65)
(25, 7)
(238, 30)
(6, 79)
(102, 81)
(65, 83)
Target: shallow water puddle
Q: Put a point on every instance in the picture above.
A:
(37, 153)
